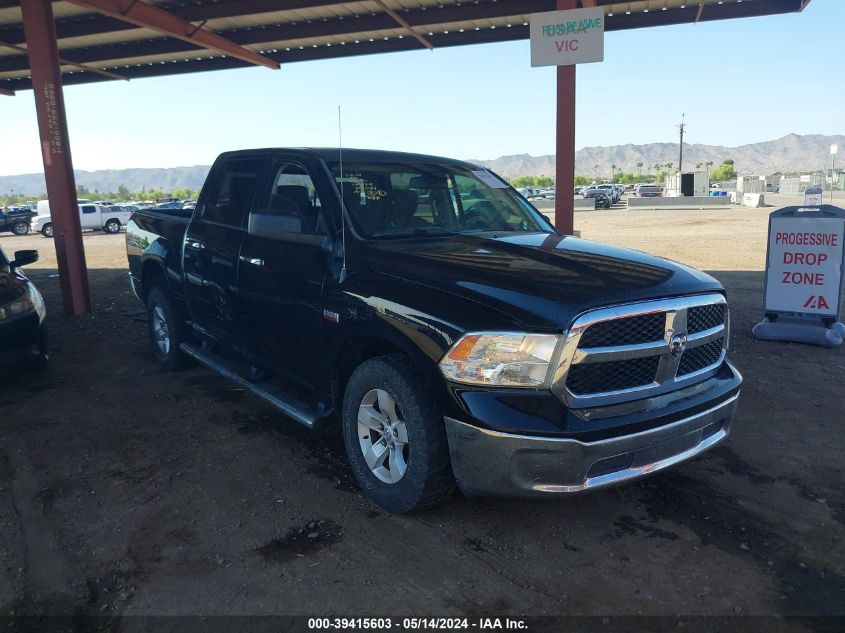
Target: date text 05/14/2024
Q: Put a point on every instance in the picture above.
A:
(415, 624)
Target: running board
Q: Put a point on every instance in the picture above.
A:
(274, 396)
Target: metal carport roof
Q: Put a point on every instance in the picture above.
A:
(300, 30)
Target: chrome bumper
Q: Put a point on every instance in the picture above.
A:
(492, 463)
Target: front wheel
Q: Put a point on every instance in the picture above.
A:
(47, 231)
(167, 330)
(394, 436)
(112, 226)
(20, 228)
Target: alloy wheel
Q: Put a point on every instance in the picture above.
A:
(161, 333)
(383, 436)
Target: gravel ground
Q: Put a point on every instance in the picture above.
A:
(125, 491)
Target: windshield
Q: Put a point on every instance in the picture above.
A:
(394, 200)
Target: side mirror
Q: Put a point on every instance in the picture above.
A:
(274, 225)
(22, 258)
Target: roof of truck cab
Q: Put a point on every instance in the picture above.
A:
(351, 155)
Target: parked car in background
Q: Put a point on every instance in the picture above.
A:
(601, 198)
(173, 204)
(649, 191)
(189, 204)
(91, 217)
(23, 332)
(15, 220)
(611, 191)
(548, 194)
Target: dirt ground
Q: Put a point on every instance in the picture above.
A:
(127, 491)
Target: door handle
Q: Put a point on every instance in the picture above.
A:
(255, 261)
(190, 243)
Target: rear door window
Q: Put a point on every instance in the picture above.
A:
(231, 196)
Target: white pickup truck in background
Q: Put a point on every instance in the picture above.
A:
(91, 217)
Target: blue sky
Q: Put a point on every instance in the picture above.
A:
(737, 82)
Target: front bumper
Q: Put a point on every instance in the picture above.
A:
(487, 462)
(23, 343)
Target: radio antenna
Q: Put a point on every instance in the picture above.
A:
(342, 201)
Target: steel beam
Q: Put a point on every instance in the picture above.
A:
(145, 15)
(67, 62)
(565, 145)
(404, 24)
(55, 151)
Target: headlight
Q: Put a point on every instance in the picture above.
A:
(512, 359)
(31, 300)
(16, 307)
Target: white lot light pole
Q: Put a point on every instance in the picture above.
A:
(833, 151)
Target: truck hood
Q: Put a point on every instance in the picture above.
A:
(541, 280)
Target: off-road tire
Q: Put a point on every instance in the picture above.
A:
(20, 228)
(173, 358)
(428, 480)
(112, 226)
(47, 230)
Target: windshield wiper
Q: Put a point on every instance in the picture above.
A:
(414, 232)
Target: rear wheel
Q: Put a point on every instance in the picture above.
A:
(20, 228)
(167, 330)
(394, 436)
(112, 226)
(47, 231)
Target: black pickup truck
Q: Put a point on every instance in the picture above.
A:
(16, 220)
(431, 311)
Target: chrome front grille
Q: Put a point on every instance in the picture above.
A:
(698, 358)
(636, 329)
(639, 350)
(705, 317)
(611, 376)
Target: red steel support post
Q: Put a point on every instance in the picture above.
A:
(565, 150)
(55, 151)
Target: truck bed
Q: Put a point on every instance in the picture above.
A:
(157, 235)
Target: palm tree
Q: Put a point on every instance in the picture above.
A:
(639, 168)
(669, 167)
(657, 167)
(612, 171)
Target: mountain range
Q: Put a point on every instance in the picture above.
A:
(790, 153)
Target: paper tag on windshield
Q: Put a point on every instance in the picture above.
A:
(489, 179)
